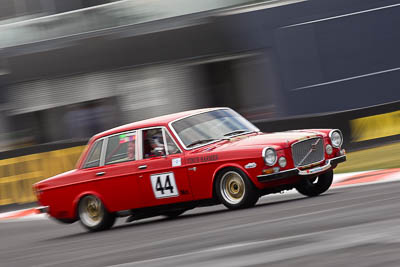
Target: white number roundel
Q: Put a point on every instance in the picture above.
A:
(164, 185)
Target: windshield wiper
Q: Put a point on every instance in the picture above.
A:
(236, 132)
(201, 141)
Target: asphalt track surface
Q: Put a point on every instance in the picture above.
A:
(347, 226)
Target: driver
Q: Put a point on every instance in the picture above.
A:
(157, 145)
(153, 144)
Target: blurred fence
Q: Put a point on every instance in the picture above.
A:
(18, 174)
(362, 128)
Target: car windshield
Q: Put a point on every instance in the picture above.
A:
(214, 125)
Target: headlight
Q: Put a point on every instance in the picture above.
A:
(336, 138)
(282, 162)
(269, 155)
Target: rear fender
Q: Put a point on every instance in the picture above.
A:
(80, 196)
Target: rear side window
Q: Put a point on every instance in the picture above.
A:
(93, 159)
(121, 148)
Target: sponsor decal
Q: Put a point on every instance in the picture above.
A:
(202, 159)
(176, 162)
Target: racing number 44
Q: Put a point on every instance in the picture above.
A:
(164, 185)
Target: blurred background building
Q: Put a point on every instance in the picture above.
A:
(69, 69)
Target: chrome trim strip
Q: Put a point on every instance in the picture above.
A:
(139, 140)
(315, 170)
(165, 141)
(103, 152)
(304, 172)
(282, 172)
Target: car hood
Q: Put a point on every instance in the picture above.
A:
(278, 140)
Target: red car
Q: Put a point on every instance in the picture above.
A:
(170, 164)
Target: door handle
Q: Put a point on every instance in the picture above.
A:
(100, 173)
(141, 167)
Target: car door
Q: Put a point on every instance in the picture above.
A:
(162, 174)
(116, 178)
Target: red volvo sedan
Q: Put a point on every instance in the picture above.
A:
(170, 164)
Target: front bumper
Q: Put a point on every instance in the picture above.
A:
(296, 171)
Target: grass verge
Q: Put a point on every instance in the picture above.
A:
(383, 157)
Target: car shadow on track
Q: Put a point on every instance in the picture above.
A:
(159, 219)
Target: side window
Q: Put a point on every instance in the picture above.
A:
(93, 159)
(121, 148)
(172, 147)
(153, 143)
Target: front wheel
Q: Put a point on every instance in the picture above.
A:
(93, 215)
(235, 190)
(316, 186)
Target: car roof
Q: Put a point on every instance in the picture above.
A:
(156, 121)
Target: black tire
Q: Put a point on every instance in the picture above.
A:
(173, 213)
(93, 215)
(315, 187)
(235, 190)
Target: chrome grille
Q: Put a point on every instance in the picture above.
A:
(308, 151)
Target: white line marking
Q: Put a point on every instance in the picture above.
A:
(345, 79)
(341, 16)
(351, 236)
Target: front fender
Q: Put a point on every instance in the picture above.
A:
(228, 165)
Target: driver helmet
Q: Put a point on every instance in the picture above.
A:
(157, 140)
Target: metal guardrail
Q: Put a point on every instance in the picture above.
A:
(108, 16)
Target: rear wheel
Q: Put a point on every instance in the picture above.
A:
(316, 186)
(235, 190)
(93, 215)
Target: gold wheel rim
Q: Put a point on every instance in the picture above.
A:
(233, 187)
(91, 211)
